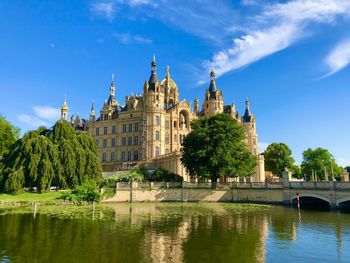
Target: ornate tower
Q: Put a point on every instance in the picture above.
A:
(249, 124)
(154, 109)
(213, 101)
(64, 109)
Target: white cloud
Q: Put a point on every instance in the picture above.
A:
(52, 45)
(47, 112)
(338, 58)
(32, 121)
(342, 162)
(42, 116)
(277, 27)
(262, 146)
(105, 10)
(252, 47)
(127, 38)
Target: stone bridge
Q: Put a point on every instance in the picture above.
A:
(332, 194)
(327, 195)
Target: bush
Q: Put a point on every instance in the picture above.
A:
(162, 175)
(87, 192)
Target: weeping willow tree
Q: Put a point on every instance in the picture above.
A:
(43, 158)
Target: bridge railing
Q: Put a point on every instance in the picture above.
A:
(235, 185)
(320, 185)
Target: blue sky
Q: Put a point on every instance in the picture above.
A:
(289, 57)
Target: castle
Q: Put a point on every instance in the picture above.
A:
(149, 128)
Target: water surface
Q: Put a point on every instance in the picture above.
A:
(172, 232)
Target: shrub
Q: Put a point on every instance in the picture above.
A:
(87, 192)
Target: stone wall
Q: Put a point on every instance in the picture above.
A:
(199, 195)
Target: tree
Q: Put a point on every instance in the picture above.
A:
(320, 162)
(215, 147)
(277, 157)
(60, 157)
(8, 135)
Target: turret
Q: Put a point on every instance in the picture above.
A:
(92, 112)
(248, 116)
(196, 106)
(213, 102)
(111, 100)
(153, 80)
(64, 109)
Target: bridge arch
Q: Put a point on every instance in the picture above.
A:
(312, 200)
(343, 200)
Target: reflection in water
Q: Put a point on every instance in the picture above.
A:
(176, 233)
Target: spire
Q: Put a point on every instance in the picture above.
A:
(111, 100)
(212, 86)
(64, 109)
(167, 72)
(247, 114)
(112, 87)
(92, 112)
(153, 78)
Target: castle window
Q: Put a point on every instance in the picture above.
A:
(123, 141)
(97, 143)
(124, 127)
(157, 151)
(136, 128)
(113, 142)
(136, 155)
(105, 130)
(113, 129)
(97, 131)
(167, 139)
(157, 136)
(123, 156)
(166, 124)
(130, 127)
(104, 157)
(157, 120)
(175, 124)
(104, 143)
(129, 140)
(129, 156)
(136, 140)
(112, 156)
(157, 97)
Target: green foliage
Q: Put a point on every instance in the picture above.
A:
(296, 171)
(131, 176)
(162, 175)
(87, 192)
(59, 157)
(8, 136)
(215, 147)
(319, 161)
(277, 157)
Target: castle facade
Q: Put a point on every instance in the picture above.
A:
(149, 128)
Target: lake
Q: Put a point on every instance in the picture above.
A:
(173, 232)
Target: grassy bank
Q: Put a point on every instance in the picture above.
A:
(30, 198)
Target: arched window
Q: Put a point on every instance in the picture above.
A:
(157, 120)
(157, 151)
(157, 136)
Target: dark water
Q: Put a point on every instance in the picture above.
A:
(176, 233)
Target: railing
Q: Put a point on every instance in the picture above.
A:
(235, 185)
(205, 185)
(320, 185)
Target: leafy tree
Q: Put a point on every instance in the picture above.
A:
(277, 157)
(319, 161)
(60, 157)
(8, 135)
(347, 168)
(215, 147)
